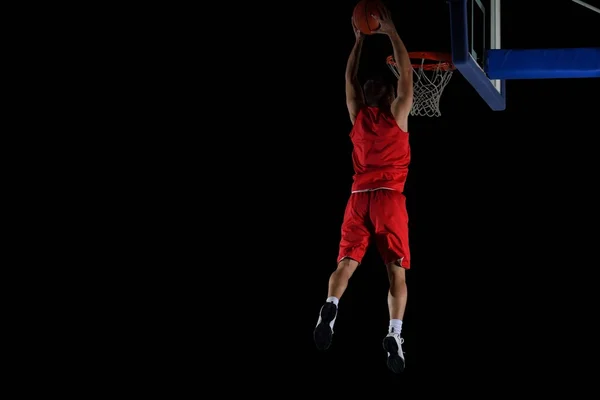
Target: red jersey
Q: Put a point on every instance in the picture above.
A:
(381, 153)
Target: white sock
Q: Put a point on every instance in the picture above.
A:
(395, 326)
(333, 300)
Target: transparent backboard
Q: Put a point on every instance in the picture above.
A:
(477, 53)
(476, 28)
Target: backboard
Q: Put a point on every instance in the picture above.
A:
(477, 53)
(475, 28)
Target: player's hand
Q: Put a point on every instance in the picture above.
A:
(386, 25)
(357, 33)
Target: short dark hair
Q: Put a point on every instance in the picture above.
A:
(375, 89)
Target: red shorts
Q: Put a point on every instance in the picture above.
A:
(381, 215)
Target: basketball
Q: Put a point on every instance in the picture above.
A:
(362, 16)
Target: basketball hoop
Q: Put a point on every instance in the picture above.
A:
(432, 74)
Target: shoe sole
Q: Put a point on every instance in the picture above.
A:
(323, 333)
(394, 362)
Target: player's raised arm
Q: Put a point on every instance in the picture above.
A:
(354, 94)
(402, 104)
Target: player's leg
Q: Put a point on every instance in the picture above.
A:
(353, 245)
(390, 220)
(338, 282)
(397, 298)
(397, 295)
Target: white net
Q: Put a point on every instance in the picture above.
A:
(429, 83)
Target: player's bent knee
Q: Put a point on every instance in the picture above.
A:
(347, 265)
(396, 271)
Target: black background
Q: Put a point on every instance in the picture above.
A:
(240, 173)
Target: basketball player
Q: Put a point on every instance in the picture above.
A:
(376, 207)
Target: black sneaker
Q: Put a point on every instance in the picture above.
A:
(393, 345)
(324, 331)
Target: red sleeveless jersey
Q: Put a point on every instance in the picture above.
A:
(381, 153)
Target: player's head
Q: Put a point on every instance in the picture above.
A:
(378, 93)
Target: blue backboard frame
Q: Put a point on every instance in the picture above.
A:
(493, 93)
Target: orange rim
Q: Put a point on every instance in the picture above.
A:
(436, 60)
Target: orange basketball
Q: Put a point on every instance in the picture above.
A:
(362, 16)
